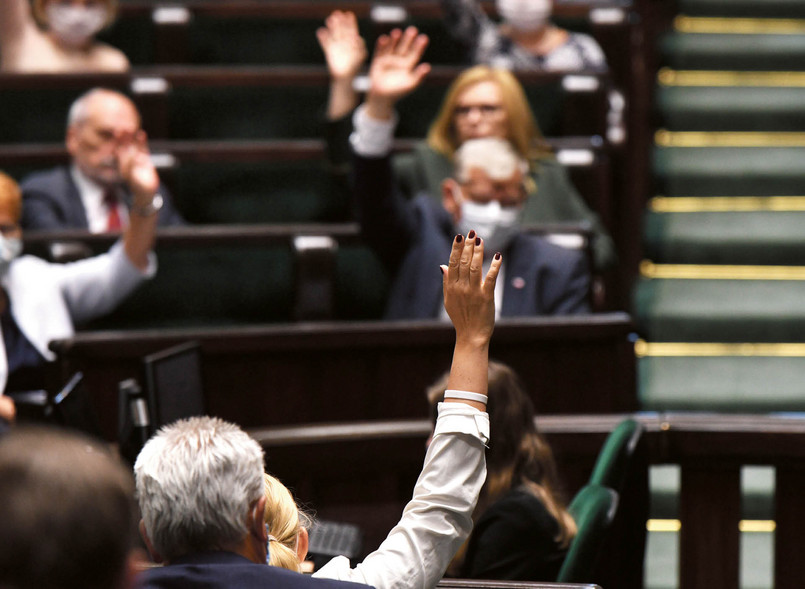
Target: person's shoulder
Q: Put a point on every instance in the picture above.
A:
(109, 59)
(45, 179)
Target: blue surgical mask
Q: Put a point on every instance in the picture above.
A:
(10, 248)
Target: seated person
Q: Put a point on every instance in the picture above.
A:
(481, 102)
(91, 193)
(40, 302)
(57, 36)
(216, 536)
(487, 193)
(67, 513)
(525, 40)
(522, 529)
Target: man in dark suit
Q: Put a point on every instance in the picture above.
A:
(202, 500)
(486, 194)
(90, 192)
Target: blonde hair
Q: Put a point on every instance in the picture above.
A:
(40, 16)
(10, 193)
(522, 129)
(284, 520)
(517, 455)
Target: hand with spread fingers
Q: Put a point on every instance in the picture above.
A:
(395, 70)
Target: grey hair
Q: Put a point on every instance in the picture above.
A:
(79, 109)
(196, 480)
(496, 157)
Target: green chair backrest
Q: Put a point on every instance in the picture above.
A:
(612, 465)
(593, 508)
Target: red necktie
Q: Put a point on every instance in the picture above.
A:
(113, 222)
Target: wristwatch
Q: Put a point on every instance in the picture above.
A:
(151, 208)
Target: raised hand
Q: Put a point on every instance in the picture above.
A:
(396, 70)
(136, 168)
(343, 47)
(469, 298)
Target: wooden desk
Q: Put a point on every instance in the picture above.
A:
(271, 375)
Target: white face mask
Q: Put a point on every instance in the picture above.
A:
(10, 248)
(74, 26)
(495, 224)
(525, 15)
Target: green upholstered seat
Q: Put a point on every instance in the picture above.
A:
(593, 508)
(614, 459)
(737, 384)
(242, 284)
(259, 192)
(731, 108)
(707, 310)
(725, 237)
(727, 51)
(733, 171)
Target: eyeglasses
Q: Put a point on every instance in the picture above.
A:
(486, 110)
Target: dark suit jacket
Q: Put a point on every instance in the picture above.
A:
(224, 570)
(50, 201)
(413, 237)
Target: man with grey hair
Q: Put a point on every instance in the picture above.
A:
(486, 195)
(90, 192)
(201, 493)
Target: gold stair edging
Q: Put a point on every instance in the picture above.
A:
(644, 349)
(700, 204)
(739, 26)
(718, 78)
(665, 138)
(650, 270)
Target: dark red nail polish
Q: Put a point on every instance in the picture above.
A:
(497, 256)
(458, 238)
(477, 241)
(471, 234)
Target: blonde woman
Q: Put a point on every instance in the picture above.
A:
(481, 102)
(57, 36)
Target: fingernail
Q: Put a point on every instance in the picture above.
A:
(477, 241)
(441, 270)
(471, 234)
(497, 256)
(459, 238)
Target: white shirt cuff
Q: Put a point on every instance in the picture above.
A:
(371, 137)
(460, 418)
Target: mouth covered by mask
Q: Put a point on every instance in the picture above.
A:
(495, 224)
(525, 15)
(75, 26)
(10, 248)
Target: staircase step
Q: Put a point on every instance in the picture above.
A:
(730, 51)
(731, 108)
(738, 171)
(766, 308)
(738, 384)
(726, 237)
(744, 8)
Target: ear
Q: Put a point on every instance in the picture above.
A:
(451, 204)
(302, 544)
(155, 556)
(258, 522)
